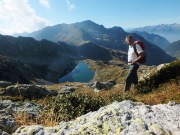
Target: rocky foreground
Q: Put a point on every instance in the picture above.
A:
(125, 118)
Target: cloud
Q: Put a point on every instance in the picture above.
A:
(70, 5)
(45, 3)
(16, 16)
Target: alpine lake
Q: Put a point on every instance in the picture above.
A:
(81, 73)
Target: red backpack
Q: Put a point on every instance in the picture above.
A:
(141, 44)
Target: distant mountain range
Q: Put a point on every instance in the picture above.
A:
(170, 31)
(87, 31)
(61, 46)
(83, 32)
(173, 49)
(153, 38)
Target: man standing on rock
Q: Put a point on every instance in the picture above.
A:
(132, 63)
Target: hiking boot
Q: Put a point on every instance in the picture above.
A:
(126, 90)
(134, 86)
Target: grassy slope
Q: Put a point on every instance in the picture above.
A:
(169, 91)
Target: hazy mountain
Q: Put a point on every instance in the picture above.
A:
(67, 33)
(154, 38)
(88, 31)
(82, 32)
(173, 49)
(111, 38)
(170, 31)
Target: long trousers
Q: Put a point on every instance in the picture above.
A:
(131, 77)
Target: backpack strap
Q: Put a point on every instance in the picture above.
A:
(135, 50)
(143, 60)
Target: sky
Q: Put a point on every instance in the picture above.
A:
(18, 16)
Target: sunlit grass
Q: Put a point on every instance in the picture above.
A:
(168, 91)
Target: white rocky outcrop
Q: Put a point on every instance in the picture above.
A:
(27, 91)
(118, 118)
(8, 109)
(151, 70)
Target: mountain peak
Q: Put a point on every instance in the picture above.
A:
(89, 23)
(117, 28)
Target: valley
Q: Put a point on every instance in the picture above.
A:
(34, 92)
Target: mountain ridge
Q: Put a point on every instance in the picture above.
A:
(169, 31)
(113, 38)
(173, 49)
(154, 38)
(43, 56)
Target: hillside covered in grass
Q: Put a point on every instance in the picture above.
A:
(161, 87)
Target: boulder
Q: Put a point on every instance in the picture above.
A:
(7, 123)
(151, 70)
(103, 85)
(67, 89)
(4, 84)
(3, 132)
(95, 85)
(29, 91)
(125, 118)
(29, 108)
(9, 109)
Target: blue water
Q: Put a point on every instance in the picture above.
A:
(81, 73)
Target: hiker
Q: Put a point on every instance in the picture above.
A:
(133, 62)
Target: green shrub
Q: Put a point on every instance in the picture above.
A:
(70, 106)
(166, 73)
(115, 97)
(119, 97)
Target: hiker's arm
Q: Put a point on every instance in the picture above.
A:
(141, 55)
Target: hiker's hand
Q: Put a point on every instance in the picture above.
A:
(133, 62)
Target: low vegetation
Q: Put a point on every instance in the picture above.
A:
(70, 106)
(165, 74)
(108, 71)
(162, 87)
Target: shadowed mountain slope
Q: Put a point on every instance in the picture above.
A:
(49, 59)
(16, 71)
(173, 49)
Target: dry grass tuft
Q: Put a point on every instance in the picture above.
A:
(169, 91)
